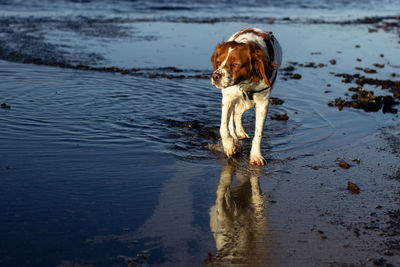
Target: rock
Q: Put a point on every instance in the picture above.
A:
(295, 76)
(276, 101)
(4, 105)
(344, 165)
(283, 117)
(353, 188)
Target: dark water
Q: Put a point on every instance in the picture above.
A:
(205, 8)
(105, 169)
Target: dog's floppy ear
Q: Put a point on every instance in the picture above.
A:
(261, 66)
(214, 55)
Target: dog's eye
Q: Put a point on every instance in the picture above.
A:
(218, 62)
(235, 65)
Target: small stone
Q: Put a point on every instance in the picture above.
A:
(283, 117)
(295, 76)
(344, 165)
(4, 105)
(353, 188)
(368, 70)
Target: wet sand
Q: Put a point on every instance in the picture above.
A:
(110, 156)
(314, 217)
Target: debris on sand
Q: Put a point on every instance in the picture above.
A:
(393, 86)
(368, 70)
(295, 76)
(379, 65)
(344, 165)
(288, 68)
(353, 188)
(367, 101)
(4, 105)
(282, 117)
(153, 73)
(312, 65)
(332, 61)
(276, 101)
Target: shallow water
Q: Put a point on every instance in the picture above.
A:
(108, 169)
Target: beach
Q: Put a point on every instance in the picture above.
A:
(110, 152)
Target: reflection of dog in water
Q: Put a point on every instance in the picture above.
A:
(237, 220)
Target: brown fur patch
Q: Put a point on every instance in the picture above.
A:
(247, 61)
(254, 63)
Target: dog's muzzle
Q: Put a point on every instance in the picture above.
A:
(216, 77)
(221, 79)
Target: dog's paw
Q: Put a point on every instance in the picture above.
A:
(230, 147)
(257, 159)
(241, 134)
(231, 151)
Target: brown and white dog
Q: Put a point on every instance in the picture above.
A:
(245, 68)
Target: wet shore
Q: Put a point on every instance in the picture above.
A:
(110, 150)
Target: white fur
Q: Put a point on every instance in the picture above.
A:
(249, 37)
(234, 104)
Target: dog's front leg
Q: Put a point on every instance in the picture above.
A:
(228, 142)
(255, 154)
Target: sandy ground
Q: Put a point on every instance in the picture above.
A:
(314, 219)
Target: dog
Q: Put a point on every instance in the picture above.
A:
(245, 68)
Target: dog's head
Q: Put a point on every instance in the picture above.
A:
(235, 62)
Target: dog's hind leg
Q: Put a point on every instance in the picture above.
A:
(231, 125)
(240, 108)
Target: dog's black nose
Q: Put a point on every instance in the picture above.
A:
(216, 76)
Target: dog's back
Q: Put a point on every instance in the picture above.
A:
(264, 40)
